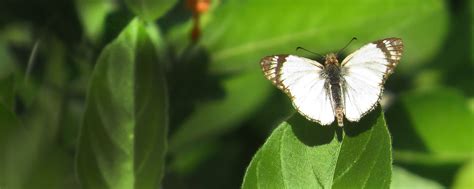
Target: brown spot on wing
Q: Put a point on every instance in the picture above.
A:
(392, 49)
(271, 66)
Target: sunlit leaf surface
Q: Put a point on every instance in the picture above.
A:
(302, 154)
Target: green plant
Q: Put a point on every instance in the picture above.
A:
(116, 94)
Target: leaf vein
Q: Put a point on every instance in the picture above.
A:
(358, 157)
(281, 159)
(372, 167)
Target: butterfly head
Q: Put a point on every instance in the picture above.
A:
(331, 58)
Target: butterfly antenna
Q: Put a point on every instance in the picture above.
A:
(353, 38)
(298, 48)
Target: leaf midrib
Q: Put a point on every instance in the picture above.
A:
(280, 147)
(358, 157)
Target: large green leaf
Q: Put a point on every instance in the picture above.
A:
(239, 33)
(150, 9)
(123, 137)
(441, 113)
(302, 154)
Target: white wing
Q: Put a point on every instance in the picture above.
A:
(364, 73)
(301, 79)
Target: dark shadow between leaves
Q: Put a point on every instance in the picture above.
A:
(366, 123)
(311, 133)
(403, 131)
(179, 14)
(190, 83)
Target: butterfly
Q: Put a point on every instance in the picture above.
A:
(322, 92)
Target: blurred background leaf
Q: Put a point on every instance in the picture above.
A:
(92, 14)
(401, 179)
(279, 27)
(464, 176)
(123, 138)
(29, 158)
(427, 111)
(150, 9)
(432, 132)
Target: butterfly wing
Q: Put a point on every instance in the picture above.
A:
(302, 80)
(364, 73)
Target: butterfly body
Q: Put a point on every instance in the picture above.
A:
(332, 72)
(322, 92)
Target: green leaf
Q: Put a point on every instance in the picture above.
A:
(123, 137)
(402, 179)
(92, 14)
(244, 93)
(303, 154)
(33, 156)
(28, 158)
(464, 177)
(435, 114)
(278, 27)
(150, 9)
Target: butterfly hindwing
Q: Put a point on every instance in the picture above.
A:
(303, 81)
(364, 73)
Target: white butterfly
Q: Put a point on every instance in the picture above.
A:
(322, 92)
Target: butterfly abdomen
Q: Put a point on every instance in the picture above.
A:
(340, 117)
(337, 103)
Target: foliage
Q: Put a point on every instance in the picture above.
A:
(302, 154)
(117, 94)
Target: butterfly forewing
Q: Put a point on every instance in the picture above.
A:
(364, 73)
(303, 81)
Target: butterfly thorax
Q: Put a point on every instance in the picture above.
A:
(334, 84)
(331, 58)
